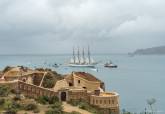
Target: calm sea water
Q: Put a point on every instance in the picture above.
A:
(136, 79)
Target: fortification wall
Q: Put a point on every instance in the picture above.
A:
(34, 91)
(78, 95)
(109, 103)
(11, 84)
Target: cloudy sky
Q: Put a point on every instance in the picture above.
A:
(55, 26)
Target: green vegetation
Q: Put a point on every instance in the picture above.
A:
(56, 108)
(74, 112)
(49, 81)
(85, 106)
(30, 107)
(42, 100)
(50, 78)
(4, 91)
(74, 102)
(47, 100)
(11, 104)
(2, 101)
(7, 68)
(10, 107)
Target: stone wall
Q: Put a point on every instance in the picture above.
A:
(34, 91)
(78, 95)
(11, 84)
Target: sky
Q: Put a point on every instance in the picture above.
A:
(56, 26)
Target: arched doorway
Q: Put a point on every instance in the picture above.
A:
(63, 96)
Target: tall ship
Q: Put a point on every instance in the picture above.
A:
(82, 60)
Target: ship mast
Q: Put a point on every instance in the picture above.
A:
(78, 54)
(83, 55)
(74, 56)
(89, 55)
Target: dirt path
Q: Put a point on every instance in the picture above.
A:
(70, 108)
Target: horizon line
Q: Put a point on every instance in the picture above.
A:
(38, 54)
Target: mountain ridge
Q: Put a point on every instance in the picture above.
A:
(159, 50)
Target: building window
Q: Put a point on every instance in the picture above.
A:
(109, 101)
(112, 101)
(104, 101)
(96, 101)
(100, 101)
(79, 81)
(85, 87)
(70, 84)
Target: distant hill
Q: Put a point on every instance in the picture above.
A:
(150, 51)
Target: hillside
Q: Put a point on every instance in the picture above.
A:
(150, 51)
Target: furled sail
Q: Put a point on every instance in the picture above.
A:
(92, 60)
(76, 60)
(87, 60)
(71, 60)
(80, 59)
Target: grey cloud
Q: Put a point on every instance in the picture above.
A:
(108, 25)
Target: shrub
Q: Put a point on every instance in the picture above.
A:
(56, 109)
(17, 98)
(2, 101)
(74, 102)
(4, 91)
(49, 81)
(36, 110)
(31, 106)
(57, 106)
(74, 112)
(42, 99)
(11, 111)
(7, 68)
(47, 100)
(84, 105)
(51, 111)
(16, 105)
(8, 104)
(53, 99)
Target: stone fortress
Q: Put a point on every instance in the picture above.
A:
(73, 86)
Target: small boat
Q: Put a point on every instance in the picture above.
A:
(110, 65)
(55, 65)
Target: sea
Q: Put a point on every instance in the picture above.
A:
(137, 78)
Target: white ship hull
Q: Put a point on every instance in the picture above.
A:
(81, 65)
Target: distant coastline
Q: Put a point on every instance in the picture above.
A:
(150, 51)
